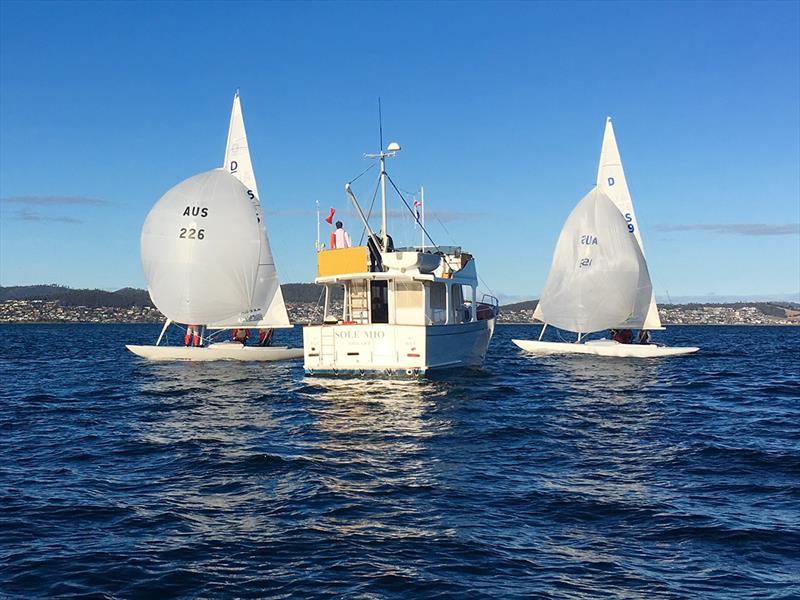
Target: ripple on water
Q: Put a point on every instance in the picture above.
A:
(568, 477)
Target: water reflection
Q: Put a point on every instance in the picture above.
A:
(380, 435)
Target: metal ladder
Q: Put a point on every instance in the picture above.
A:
(327, 346)
(359, 304)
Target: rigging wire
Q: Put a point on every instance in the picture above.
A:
(372, 165)
(316, 306)
(447, 231)
(369, 212)
(410, 210)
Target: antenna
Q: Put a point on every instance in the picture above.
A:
(380, 122)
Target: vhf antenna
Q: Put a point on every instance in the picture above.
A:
(380, 122)
(393, 149)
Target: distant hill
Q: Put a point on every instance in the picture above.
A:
(295, 293)
(772, 309)
(299, 293)
(527, 305)
(306, 293)
(124, 298)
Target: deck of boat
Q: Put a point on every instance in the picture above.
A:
(608, 348)
(219, 351)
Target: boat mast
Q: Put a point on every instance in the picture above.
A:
(392, 149)
(422, 211)
(318, 246)
(384, 239)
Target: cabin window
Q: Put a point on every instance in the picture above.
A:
(379, 293)
(408, 303)
(333, 303)
(438, 303)
(457, 305)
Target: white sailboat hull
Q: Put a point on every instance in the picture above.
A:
(219, 351)
(607, 348)
(405, 350)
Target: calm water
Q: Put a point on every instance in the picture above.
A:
(558, 477)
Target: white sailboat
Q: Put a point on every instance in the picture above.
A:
(406, 311)
(599, 279)
(207, 260)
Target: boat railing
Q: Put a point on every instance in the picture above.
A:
(488, 307)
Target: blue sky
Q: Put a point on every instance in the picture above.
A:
(499, 108)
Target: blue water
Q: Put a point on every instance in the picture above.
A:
(561, 477)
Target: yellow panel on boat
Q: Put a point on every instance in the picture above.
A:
(341, 261)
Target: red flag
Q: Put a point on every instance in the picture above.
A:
(329, 218)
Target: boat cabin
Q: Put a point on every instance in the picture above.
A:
(409, 286)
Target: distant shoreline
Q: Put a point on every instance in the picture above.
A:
(305, 324)
(694, 324)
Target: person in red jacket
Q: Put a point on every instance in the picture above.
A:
(623, 336)
(241, 335)
(265, 337)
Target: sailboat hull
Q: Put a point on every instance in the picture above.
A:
(219, 351)
(607, 348)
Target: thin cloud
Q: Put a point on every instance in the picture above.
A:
(430, 216)
(454, 215)
(750, 229)
(27, 214)
(55, 201)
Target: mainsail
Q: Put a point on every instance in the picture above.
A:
(267, 308)
(200, 250)
(598, 278)
(611, 180)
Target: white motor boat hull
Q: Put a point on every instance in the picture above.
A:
(383, 349)
(607, 348)
(219, 351)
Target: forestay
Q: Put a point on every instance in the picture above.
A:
(200, 250)
(611, 181)
(267, 308)
(598, 278)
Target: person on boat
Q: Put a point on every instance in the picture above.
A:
(265, 337)
(192, 337)
(241, 335)
(389, 242)
(375, 260)
(341, 239)
(644, 337)
(623, 336)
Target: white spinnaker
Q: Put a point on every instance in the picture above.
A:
(267, 308)
(611, 180)
(598, 278)
(200, 248)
